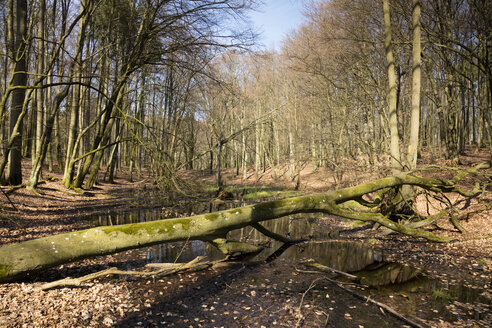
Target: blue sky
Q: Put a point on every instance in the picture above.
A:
(275, 19)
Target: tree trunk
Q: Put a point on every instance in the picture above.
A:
(92, 177)
(257, 140)
(415, 114)
(113, 157)
(40, 104)
(291, 154)
(22, 259)
(14, 173)
(218, 174)
(244, 152)
(75, 104)
(45, 139)
(393, 120)
(314, 155)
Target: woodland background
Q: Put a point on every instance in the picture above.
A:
(91, 86)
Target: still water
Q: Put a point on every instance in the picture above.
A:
(421, 295)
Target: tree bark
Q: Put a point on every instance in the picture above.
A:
(14, 174)
(393, 120)
(415, 113)
(75, 103)
(41, 153)
(40, 100)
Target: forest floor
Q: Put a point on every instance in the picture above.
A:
(265, 295)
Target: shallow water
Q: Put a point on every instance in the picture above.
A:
(412, 292)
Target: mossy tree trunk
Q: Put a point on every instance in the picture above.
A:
(27, 257)
(41, 153)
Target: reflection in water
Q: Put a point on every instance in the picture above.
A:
(419, 298)
(355, 258)
(299, 226)
(385, 273)
(181, 252)
(341, 255)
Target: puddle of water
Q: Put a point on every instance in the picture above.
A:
(427, 298)
(341, 255)
(412, 292)
(300, 226)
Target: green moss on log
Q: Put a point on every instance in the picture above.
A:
(212, 216)
(4, 270)
(235, 248)
(150, 228)
(23, 258)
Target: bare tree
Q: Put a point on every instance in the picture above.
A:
(19, 82)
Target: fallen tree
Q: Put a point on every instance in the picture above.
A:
(21, 259)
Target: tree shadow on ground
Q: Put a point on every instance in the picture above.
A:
(247, 296)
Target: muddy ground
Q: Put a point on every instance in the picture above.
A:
(281, 293)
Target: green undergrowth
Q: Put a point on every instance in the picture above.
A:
(4, 270)
(441, 295)
(482, 262)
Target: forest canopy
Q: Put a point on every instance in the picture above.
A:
(91, 86)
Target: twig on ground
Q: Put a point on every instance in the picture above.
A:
(299, 309)
(321, 267)
(381, 305)
(324, 268)
(165, 269)
(10, 201)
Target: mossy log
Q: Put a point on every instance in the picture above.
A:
(233, 249)
(21, 259)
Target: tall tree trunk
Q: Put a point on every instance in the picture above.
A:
(14, 172)
(314, 155)
(393, 120)
(488, 107)
(113, 157)
(39, 70)
(75, 103)
(45, 139)
(29, 147)
(244, 151)
(291, 154)
(257, 140)
(415, 113)
(218, 174)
